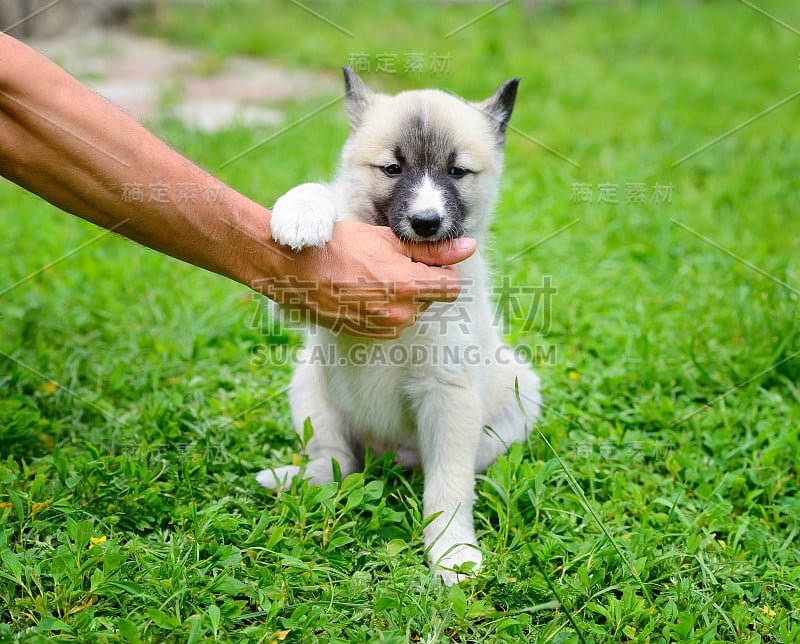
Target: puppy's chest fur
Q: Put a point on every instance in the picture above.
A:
(378, 384)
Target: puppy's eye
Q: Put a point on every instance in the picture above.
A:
(392, 169)
(457, 172)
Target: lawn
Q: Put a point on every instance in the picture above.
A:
(652, 177)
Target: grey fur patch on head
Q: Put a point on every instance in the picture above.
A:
(422, 144)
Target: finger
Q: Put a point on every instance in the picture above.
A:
(434, 284)
(380, 325)
(443, 253)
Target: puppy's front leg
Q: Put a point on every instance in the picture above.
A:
(449, 422)
(303, 217)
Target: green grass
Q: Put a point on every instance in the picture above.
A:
(659, 500)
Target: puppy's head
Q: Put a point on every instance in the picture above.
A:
(424, 162)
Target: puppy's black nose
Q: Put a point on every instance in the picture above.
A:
(426, 223)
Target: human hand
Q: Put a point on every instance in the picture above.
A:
(367, 282)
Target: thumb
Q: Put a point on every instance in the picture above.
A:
(440, 253)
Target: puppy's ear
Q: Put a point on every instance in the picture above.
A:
(498, 106)
(358, 96)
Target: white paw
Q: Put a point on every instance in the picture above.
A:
(278, 478)
(458, 556)
(303, 217)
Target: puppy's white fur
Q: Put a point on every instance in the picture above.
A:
(454, 417)
(305, 217)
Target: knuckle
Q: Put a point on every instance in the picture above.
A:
(404, 289)
(399, 316)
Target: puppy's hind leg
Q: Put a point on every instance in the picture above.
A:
(509, 424)
(331, 440)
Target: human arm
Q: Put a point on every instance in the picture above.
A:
(66, 144)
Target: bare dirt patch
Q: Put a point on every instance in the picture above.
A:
(149, 78)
